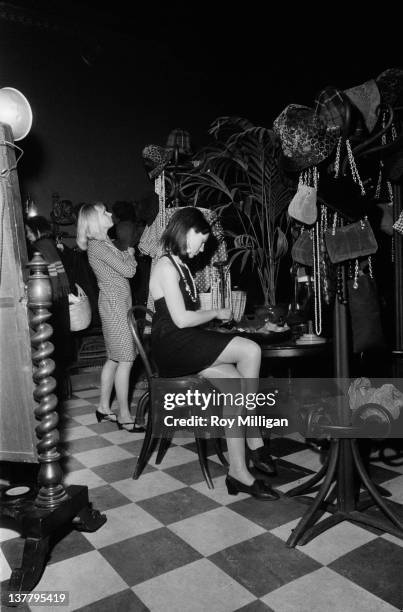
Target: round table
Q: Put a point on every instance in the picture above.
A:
(292, 350)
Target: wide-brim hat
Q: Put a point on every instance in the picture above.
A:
(305, 137)
(366, 98)
(330, 106)
(156, 158)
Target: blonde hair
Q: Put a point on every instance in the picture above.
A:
(88, 224)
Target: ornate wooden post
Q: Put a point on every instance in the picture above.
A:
(53, 506)
(42, 510)
(51, 492)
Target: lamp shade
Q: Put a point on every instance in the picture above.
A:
(15, 111)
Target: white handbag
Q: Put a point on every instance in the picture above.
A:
(80, 310)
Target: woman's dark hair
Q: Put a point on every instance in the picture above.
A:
(40, 226)
(174, 237)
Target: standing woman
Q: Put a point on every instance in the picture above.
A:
(112, 268)
(180, 347)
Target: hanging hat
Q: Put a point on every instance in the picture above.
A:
(156, 158)
(305, 137)
(330, 107)
(390, 85)
(181, 139)
(366, 98)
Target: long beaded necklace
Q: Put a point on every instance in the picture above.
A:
(191, 291)
(323, 253)
(160, 191)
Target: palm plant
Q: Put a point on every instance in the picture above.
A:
(239, 173)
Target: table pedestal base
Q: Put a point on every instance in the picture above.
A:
(339, 495)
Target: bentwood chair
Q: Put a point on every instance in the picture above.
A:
(139, 319)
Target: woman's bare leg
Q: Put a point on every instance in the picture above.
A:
(246, 356)
(122, 377)
(107, 381)
(219, 375)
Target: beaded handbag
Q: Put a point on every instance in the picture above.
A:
(350, 241)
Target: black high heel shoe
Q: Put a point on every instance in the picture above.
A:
(262, 460)
(134, 428)
(106, 416)
(259, 489)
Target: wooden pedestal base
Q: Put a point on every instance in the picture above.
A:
(39, 524)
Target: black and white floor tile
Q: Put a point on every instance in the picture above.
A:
(171, 544)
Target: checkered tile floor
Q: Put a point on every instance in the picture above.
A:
(170, 544)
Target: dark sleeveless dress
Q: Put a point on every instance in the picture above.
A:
(182, 351)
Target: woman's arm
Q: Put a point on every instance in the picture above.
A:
(167, 279)
(120, 261)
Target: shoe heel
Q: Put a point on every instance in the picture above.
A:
(99, 416)
(231, 488)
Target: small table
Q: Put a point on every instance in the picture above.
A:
(283, 349)
(291, 351)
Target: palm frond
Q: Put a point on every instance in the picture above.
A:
(239, 172)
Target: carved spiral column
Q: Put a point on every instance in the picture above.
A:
(50, 476)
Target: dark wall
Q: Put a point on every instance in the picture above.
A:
(92, 121)
(96, 105)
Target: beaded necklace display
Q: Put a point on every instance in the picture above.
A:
(341, 268)
(323, 254)
(191, 291)
(388, 183)
(160, 191)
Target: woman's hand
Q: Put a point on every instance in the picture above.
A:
(130, 251)
(224, 314)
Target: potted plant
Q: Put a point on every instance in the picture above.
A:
(238, 175)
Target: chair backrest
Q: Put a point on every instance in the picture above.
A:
(136, 318)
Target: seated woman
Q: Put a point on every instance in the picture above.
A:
(180, 347)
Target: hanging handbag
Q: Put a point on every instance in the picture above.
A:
(303, 205)
(302, 249)
(345, 194)
(350, 241)
(365, 313)
(80, 310)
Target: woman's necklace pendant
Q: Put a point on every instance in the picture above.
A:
(192, 293)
